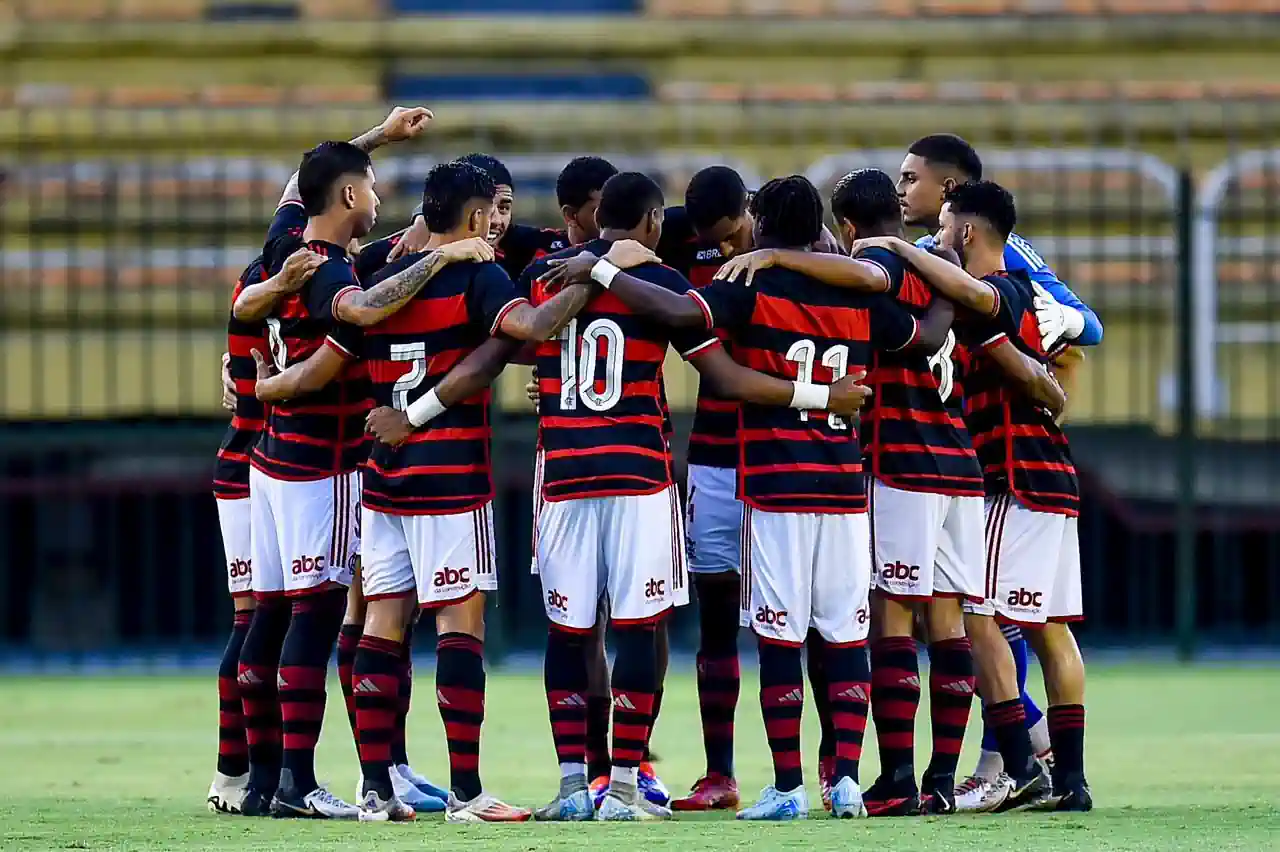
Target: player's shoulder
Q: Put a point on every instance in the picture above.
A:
(400, 264)
(890, 261)
(1020, 254)
(662, 275)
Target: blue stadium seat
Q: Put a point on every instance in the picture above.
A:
(432, 88)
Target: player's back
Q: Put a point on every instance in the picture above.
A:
(231, 474)
(1018, 443)
(913, 431)
(801, 329)
(318, 434)
(601, 413)
(443, 467)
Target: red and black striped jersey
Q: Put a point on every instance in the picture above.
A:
(797, 328)
(521, 245)
(601, 413)
(1021, 448)
(913, 431)
(320, 434)
(713, 440)
(231, 473)
(443, 468)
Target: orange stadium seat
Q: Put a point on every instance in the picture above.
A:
(343, 10)
(214, 95)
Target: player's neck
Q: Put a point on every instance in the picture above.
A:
(435, 241)
(981, 262)
(328, 229)
(578, 236)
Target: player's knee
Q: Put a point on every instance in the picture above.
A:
(386, 618)
(244, 603)
(464, 617)
(945, 617)
(892, 617)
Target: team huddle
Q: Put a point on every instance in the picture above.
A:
(876, 459)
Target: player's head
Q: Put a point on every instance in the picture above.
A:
(716, 202)
(505, 199)
(933, 165)
(631, 208)
(788, 213)
(977, 218)
(458, 199)
(865, 204)
(578, 194)
(336, 180)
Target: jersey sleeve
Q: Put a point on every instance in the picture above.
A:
(895, 268)
(347, 339)
(893, 327)
(687, 341)
(982, 332)
(725, 304)
(334, 277)
(286, 226)
(491, 296)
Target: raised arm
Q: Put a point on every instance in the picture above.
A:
(467, 378)
(256, 301)
(369, 307)
(322, 367)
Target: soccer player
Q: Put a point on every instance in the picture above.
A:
(933, 165)
(606, 478)
(800, 477)
(427, 518)
(1033, 556)
(231, 489)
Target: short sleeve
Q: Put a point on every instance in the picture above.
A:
(334, 277)
(895, 268)
(286, 226)
(345, 339)
(892, 326)
(988, 331)
(491, 295)
(725, 304)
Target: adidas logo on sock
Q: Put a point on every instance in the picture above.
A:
(622, 702)
(960, 687)
(366, 686)
(441, 699)
(281, 683)
(912, 681)
(857, 693)
(248, 678)
(794, 695)
(574, 700)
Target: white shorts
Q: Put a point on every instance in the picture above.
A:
(538, 503)
(630, 548)
(926, 544)
(1033, 565)
(305, 534)
(447, 558)
(714, 520)
(237, 544)
(806, 570)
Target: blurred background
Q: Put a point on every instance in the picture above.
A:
(143, 144)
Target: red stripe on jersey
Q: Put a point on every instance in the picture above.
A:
(609, 449)
(425, 469)
(799, 467)
(914, 291)
(597, 422)
(424, 315)
(839, 323)
(916, 416)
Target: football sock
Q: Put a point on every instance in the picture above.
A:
(719, 676)
(376, 673)
(348, 640)
(1021, 661)
(818, 683)
(1008, 721)
(233, 749)
(564, 674)
(598, 716)
(657, 708)
(895, 697)
(304, 659)
(782, 704)
(1066, 730)
(635, 683)
(849, 689)
(460, 682)
(951, 688)
(399, 745)
(259, 698)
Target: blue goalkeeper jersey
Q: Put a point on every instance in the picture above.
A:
(1019, 255)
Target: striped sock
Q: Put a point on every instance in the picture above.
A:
(895, 697)
(782, 705)
(849, 689)
(460, 684)
(376, 675)
(233, 748)
(564, 676)
(951, 688)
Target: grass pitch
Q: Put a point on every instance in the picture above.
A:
(1179, 759)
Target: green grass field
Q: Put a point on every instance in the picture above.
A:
(1179, 759)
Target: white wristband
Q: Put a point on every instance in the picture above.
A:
(427, 407)
(1073, 320)
(604, 272)
(810, 397)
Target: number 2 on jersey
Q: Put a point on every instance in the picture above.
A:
(578, 365)
(836, 358)
(944, 368)
(417, 354)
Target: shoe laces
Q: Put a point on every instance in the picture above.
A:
(323, 795)
(972, 783)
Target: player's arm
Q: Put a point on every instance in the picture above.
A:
(526, 323)
(845, 396)
(1028, 375)
(322, 367)
(946, 277)
(667, 306)
(834, 269)
(257, 300)
(467, 378)
(1061, 315)
(932, 327)
(364, 308)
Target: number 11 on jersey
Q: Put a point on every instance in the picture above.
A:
(836, 358)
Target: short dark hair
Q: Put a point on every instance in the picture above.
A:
(987, 200)
(322, 167)
(947, 149)
(789, 211)
(625, 198)
(715, 193)
(490, 165)
(581, 177)
(867, 198)
(446, 191)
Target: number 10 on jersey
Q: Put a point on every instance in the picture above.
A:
(578, 358)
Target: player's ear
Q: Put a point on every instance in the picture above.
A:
(848, 233)
(568, 214)
(349, 196)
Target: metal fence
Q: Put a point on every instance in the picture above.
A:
(119, 247)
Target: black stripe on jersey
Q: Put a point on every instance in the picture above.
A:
(231, 472)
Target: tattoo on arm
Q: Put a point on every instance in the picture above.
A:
(402, 286)
(370, 141)
(564, 306)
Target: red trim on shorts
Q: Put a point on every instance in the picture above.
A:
(218, 496)
(769, 640)
(649, 619)
(239, 595)
(1065, 619)
(388, 595)
(859, 644)
(266, 596)
(894, 596)
(1001, 618)
(961, 596)
(326, 586)
(577, 631)
(432, 605)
